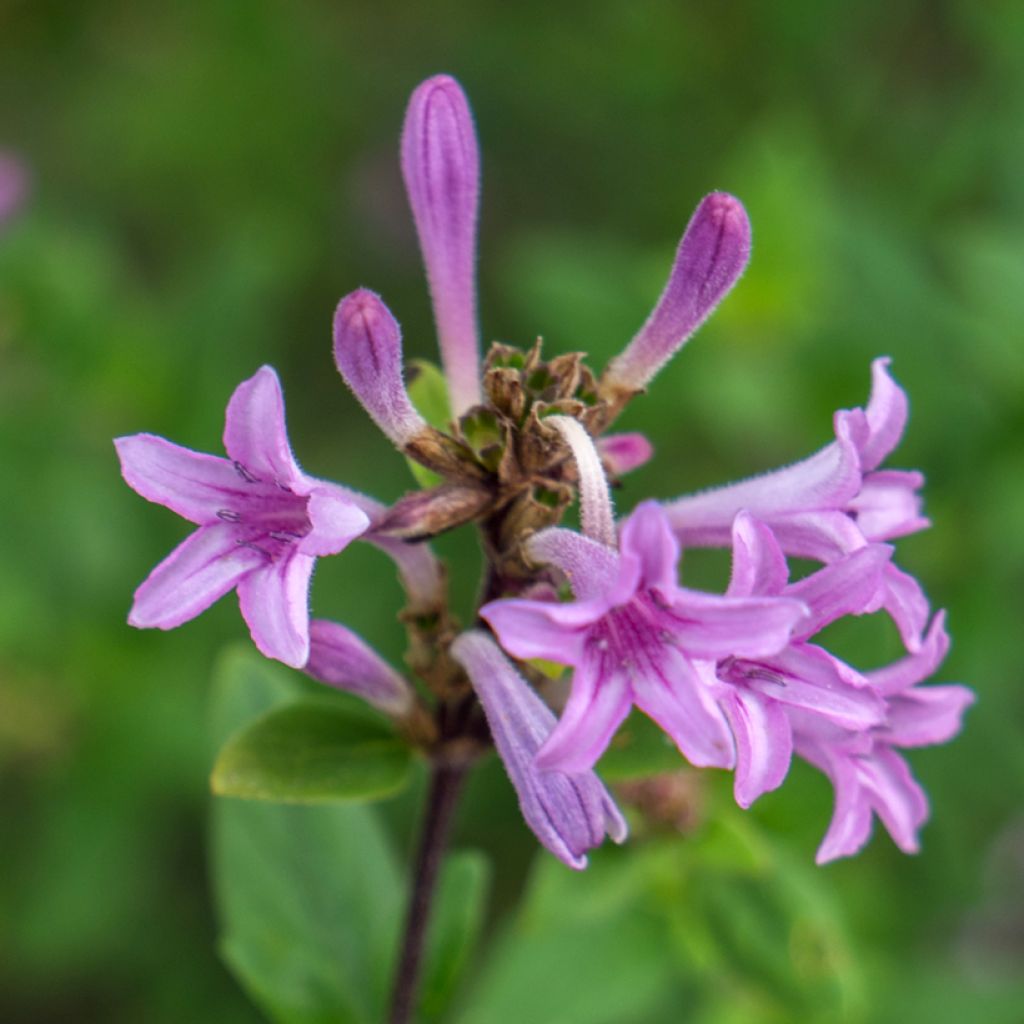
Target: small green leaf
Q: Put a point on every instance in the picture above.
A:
(429, 393)
(316, 750)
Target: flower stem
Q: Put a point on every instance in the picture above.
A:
(446, 778)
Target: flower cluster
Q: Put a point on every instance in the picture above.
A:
(735, 679)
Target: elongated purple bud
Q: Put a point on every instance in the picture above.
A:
(368, 353)
(441, 167)
(341, 659)
(569, 814)
(711, 257)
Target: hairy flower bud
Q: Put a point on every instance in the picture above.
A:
(441, 167)
(368, 353)
(711, 257)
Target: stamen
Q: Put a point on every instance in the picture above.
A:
(229, 515)
(596, 511)
(244, 473)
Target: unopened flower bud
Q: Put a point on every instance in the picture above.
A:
(368, 353)
(712, 255)
(341, 659)
(441, 167)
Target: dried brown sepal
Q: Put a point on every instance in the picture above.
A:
(424, 514)
(445, 455)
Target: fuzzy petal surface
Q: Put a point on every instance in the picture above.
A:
(199, 571)
(275, 605)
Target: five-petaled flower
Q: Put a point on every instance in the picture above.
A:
(262, 523)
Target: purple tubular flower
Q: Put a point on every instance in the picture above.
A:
(13, 185)
(341, 659)
(713, 253)
(262, 523)
(759, 692)
(634, 636)
(831, 503)
(441, 167)
(368, 353)
(622, 453)
(845, 723)
(569, 813)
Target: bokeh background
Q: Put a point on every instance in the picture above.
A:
(208, 179)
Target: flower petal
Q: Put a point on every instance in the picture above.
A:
(255, 435)
(598, 703)
(335, 520)
(194, 485)
(764, 743)
(275, 605)
(886, 415)
(850, 827)
(542, 629)
(888, 505)
(906, 603)
(758, 565)
(680, 697)
(199, 571)
(849, 586)
(926, 715)
(915, 667)
(647, 536)
(895, 795)
(710, 626)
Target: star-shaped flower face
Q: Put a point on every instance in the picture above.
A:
(637, 637)
(262, 523)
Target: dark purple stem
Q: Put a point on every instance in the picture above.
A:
(446, 780)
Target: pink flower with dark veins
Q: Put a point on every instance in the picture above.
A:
(262, 523)
(634, 636)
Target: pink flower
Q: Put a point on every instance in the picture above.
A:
(262, 523)
(568, 812)
(634, 636)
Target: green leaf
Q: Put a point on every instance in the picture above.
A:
(428, 391)
(308, 898)
(315, 750)
(457, 921)
(640, 749)
(583, 950)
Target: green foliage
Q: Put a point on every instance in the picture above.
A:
(428, 391)
(313, 751)
(309, 898)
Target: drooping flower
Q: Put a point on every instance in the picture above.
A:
(844, 722)
(569, 812)
(759, 692)
(339, 658)
(634, 636)
(262, 523)
(831, 503)
(866, 771)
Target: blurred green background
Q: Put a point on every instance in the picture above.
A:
(209, 179)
